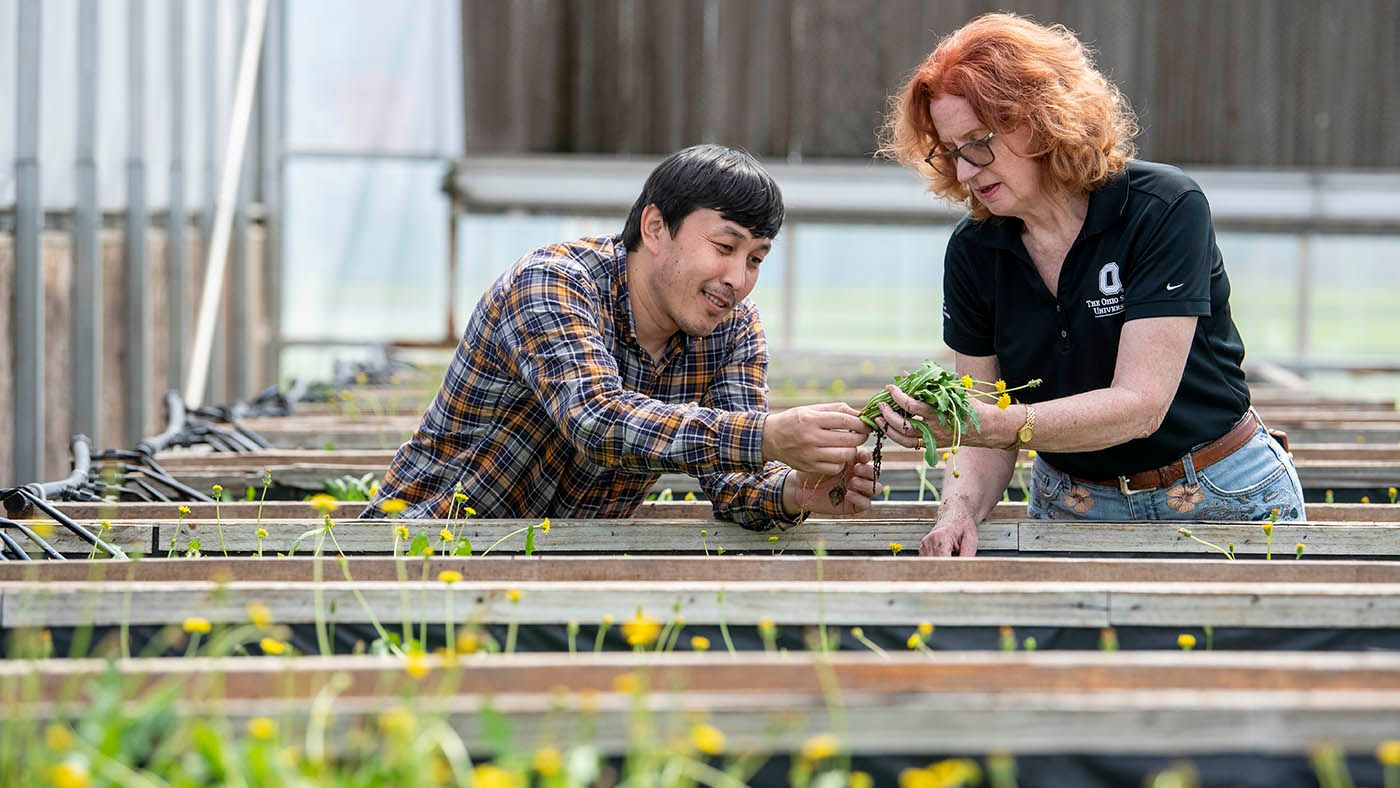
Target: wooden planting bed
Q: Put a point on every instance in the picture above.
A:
(1083, 703)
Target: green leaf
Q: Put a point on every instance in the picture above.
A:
(419, 545)
(464, 546)
(530, 539)
(930, 445)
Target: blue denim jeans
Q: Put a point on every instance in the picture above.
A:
(1258, 477)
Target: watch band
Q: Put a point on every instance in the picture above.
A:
(1027, 430)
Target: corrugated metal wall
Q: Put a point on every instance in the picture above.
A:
(1251, 83)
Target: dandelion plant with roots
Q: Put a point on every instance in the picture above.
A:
(950, 397)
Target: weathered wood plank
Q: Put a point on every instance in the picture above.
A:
(1333, 540)
(1080, 605)
(896, 673)
(992, 603)
(653, 510)
(833, 569)
(1248, 538)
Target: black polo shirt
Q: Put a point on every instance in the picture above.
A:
(1147, 249)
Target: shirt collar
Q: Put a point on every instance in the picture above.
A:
(1106, 205)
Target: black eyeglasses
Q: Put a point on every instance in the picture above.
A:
(978, 153)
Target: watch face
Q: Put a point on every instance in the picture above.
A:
(1025, 435)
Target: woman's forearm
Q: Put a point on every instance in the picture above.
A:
(982, 478)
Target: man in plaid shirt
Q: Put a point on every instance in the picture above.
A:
(592, 366)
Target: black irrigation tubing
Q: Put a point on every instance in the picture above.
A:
(11, 547)
(29, 534)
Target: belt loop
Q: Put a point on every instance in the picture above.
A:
(1190, 467)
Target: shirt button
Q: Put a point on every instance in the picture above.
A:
(1059, 308)
(1063, 333)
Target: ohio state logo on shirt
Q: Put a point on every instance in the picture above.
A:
(1111, 285)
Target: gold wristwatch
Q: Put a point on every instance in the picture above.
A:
(1027, 431)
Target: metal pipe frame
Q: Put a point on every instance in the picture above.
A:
(29, 292)
(177, 239)
(212, 123)
(271, 163)
(137, 362)
(87, 248)
(240, 306)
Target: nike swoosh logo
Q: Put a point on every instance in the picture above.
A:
(1173, 287)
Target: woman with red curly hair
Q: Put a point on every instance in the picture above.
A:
(1091, 270)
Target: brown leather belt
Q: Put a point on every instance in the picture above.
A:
(1201, 458)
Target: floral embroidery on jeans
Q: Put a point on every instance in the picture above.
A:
(1079, 500)
(1184, 497)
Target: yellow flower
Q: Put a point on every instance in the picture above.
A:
(627, 683)
(416, 665)
(895, 547)
(1030, 455)
(69, 774)
(608, 619)
(272, 646)
(820, 747)
(324, 503)
(262, 728)
(259, 615)
(956, 771)
(707, 739)
(1001, 385)
(459, 497)
(641, 629)
(261, 533)
(197, 624)
(1299, 548)
(470, 512)
(398, 722)
(1392, 491)
(548, 761)
(1388, 752)
(58, 737)
(489, 775)
(445, 535)
(925, 628)
(918, 778)
(1268, 528)
(544, 526)
(450, 576)
(401, 531)
(514, 594)
(967, 381)
(914, 640)
(766, 626)
(700, 643)
(392, 506)
(184, 510)
(468, 642)
(1365, 499)
(1004, 401)
(862, 780)
(218, 488)
(1186, 641)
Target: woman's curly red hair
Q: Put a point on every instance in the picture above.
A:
(1014, 71)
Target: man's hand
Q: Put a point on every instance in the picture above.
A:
(952, 535)
(815, 439)
(805, 492)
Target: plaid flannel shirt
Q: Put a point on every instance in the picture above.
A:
(551, 407)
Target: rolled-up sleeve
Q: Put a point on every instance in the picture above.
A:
(753, 500)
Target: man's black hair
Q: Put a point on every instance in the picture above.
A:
(709, 176)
